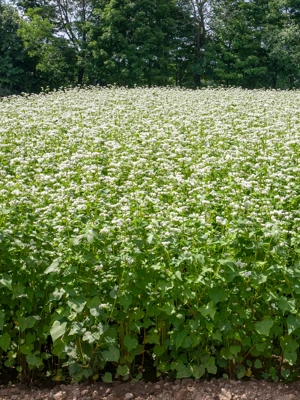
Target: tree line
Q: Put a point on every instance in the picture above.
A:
(187, 43)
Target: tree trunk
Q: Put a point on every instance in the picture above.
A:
(80, 76)
(197, 77)
(200, 11)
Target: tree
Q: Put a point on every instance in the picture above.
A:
(237, 54)
(64, 29)
(137, 42)
(14, 65)
(201, 10)
(76, 19)
(54, 59)
(248, 43)
(281, 40)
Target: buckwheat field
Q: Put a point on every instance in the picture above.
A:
(150, 229)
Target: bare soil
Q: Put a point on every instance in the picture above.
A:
(185, 389)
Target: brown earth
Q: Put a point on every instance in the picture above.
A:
(185, 389)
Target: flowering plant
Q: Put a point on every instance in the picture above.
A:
(150, 226)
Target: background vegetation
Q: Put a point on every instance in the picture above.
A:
(187, 43)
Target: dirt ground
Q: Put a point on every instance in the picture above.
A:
(185, 389)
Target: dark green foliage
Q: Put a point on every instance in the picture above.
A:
(137, 42)
(189, 43)
(237, 54)
(54, 59)
(281, 40)
(14, 62)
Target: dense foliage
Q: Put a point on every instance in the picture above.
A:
(187, 43)
(150, 225)
(14, 62)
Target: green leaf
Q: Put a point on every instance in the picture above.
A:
(22, 321)
(287, 305)
(113, 293)
(112, 354)
(53, 269)
(125, 301)
(178, 275)
(30, 338)
(5, 341)
(94, 302)
(217, 335)
(241, 372)
(164, 286)
(180, 338)
(150, 238)
(76, 328)
(101, 328)
(137, 314)
(183, 371)
(57, 330)
(89, 337)
(198, 371)
(137, 378)
(257, 364)
(123, 370)
(18, 291)
(228, 262)
(168, 308)
(158, 350)
(210, 365)
(107, 377)
(57, 294)
(285, 373)
(217, 294)
(290, 357)
(153, 339)
(241, 312)
(261, 347)
(200, 257)
(289, 347)
(260, 278)
(156, 267)
(6, 281)
(2, 319)
(209, 309)
(33, 360)
(26, 348)
(95, 312)
(235, 350)
(226, 353)
(78, 303)
(58, 347)
(293, 323)
(263, 327)
(76, 371)
(130, 343)
(4, 210)
(31, 321)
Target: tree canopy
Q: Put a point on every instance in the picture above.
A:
(190, 43)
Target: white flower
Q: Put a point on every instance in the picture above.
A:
(221, 220)
(240, 264)
(246, 274)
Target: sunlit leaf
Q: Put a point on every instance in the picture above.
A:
(57, 330)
